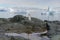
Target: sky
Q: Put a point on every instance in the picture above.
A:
(30, 3)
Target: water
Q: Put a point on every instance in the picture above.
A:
(33, 36)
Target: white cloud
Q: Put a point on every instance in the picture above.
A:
(31, 3)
